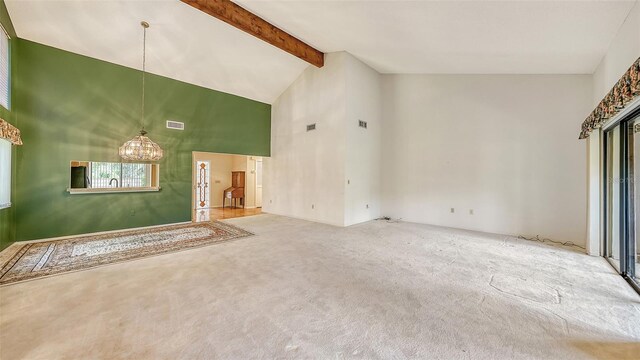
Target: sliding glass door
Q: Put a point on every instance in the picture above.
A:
(622, 196)
(633, 246)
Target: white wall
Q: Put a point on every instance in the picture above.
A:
(331, 174)
(505, 146)
(250, 180)
(363, 156)
(594, 202)
(306, 169)
(623, 51)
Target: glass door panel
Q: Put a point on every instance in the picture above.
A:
(621, 145)
(633, 245)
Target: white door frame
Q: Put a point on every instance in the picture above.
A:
(258, 192)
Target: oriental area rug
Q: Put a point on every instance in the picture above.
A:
(39, 259)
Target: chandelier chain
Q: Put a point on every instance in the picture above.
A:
(144, 63)
(141, 148)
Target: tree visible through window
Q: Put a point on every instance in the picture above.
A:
(109, 175)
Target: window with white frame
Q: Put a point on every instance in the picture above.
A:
(119, 175)
(4, 70)
(5, 174)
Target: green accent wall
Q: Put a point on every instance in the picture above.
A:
(72, 107)
(7, 216)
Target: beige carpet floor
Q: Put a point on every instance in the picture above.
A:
(303, 290)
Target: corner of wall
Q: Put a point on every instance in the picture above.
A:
(304, 177)
(330, 174)
(363, 145)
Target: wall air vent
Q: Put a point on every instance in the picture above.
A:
(362, 124)
(175, 125)
(311, 127)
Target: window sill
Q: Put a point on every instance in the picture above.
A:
(112, 190)
(5, 206)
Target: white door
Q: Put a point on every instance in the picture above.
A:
(259, 183)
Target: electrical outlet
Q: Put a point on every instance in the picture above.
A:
(470, 211)
(133, 212)
(313, 206)
(453, 210)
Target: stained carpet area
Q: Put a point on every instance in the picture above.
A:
(300, 290)
(38, 259)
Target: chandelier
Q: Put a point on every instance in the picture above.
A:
(141, 148)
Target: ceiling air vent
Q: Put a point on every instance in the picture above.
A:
(176, 125)
(362, 124)
(311, 127)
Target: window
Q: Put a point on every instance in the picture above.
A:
(108, 175)
(621, 161)
(5, 174)
(4, 70)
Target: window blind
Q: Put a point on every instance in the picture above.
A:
(5, 174)
(4, 70)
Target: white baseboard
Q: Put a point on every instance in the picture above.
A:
(304, 218)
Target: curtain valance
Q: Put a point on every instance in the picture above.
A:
(10, 132)
(626, 90)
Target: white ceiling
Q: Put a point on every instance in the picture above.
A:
(456, 37)
(183, 43)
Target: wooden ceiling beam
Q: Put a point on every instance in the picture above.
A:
(248, 22)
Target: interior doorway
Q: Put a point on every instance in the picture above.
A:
(226, 186)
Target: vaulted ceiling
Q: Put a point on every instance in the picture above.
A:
(456, 37)
(463, 37)
(183, 43)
